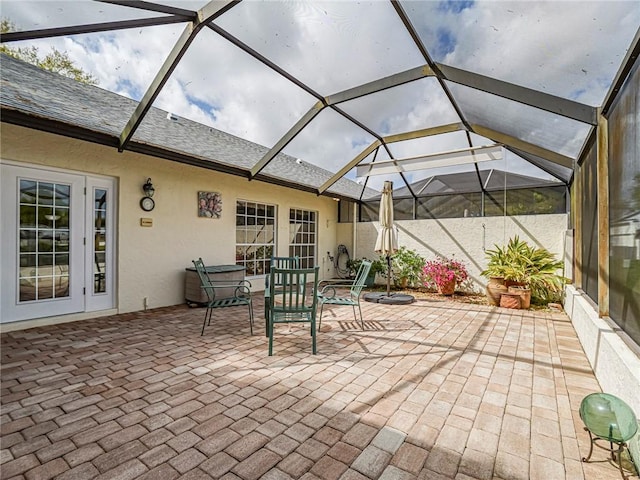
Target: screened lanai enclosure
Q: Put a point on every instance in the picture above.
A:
(414, 92)
(473, 109)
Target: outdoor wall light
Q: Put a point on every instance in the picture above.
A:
(146, 203)
(148, 188)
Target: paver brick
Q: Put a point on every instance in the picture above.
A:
(219, 464)
(184, 441)
(256, 465)
(95, 433)
(344, 452)
(372, 461)
(121, 437)
(217, 443)
(328, 468)
(156, 437)
(19, 466)
(84, 471)
(48, 470)
(295, 465)
(247, 445)
(119, 455)
(161, 472)
(359, 435)
(16, 426)
(187, 460)
(29, 446)
(126, 471)
(157, 455)
(410, 458)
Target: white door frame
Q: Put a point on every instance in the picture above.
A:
(81, 297)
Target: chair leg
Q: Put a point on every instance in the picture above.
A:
(270, 328)
(204, 323)
(251, 318)
(361, 317)
(313, 336)
(320, 320)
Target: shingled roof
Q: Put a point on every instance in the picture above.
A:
(39, 99)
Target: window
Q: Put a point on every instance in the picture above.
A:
(255, 236)
(44, 240)
(302, 236)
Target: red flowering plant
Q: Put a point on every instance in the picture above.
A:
(443, 272)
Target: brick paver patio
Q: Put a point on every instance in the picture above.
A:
(432, 390)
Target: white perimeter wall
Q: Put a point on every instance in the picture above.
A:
(463, 238)
(614, 358)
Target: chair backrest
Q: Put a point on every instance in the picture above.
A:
(205, 281)
(286, 263)
(361, 278)
(295, 292)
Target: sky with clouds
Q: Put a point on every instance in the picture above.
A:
(567, 48)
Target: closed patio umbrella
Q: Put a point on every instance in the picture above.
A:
(387, 241)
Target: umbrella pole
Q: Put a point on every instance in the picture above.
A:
(388, 275)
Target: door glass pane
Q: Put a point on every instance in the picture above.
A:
(99, 241)
(44, 232)
(301, 243)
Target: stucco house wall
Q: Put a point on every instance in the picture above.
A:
(151, 261)
(465, 239)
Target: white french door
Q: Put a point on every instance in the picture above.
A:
(56, 243)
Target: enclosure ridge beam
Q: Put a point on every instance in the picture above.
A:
(424, 132)
(91, 28)
(286, 138)
(525, 156)
(153, 7)
(205, 15)
(533, 98)
(380, 84)
(343, 171)
(526, 147)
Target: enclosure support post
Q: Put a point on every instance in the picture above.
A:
(355, 229)
(576, 208)
(603, 216)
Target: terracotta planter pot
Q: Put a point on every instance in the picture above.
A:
(510, 300)
(525, 295)
(447, 288)
(496, 280)
(494, 291)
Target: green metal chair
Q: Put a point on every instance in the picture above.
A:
(328, 294)
(276, 262)
(293, 298)
(241, 294)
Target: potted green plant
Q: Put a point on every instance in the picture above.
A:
(445, 274)
(377, 266)
(407, 267)
(528, 270)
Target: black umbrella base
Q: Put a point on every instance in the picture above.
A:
(392, 299)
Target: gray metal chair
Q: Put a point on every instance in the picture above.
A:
(328, 294)
(241, 294)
